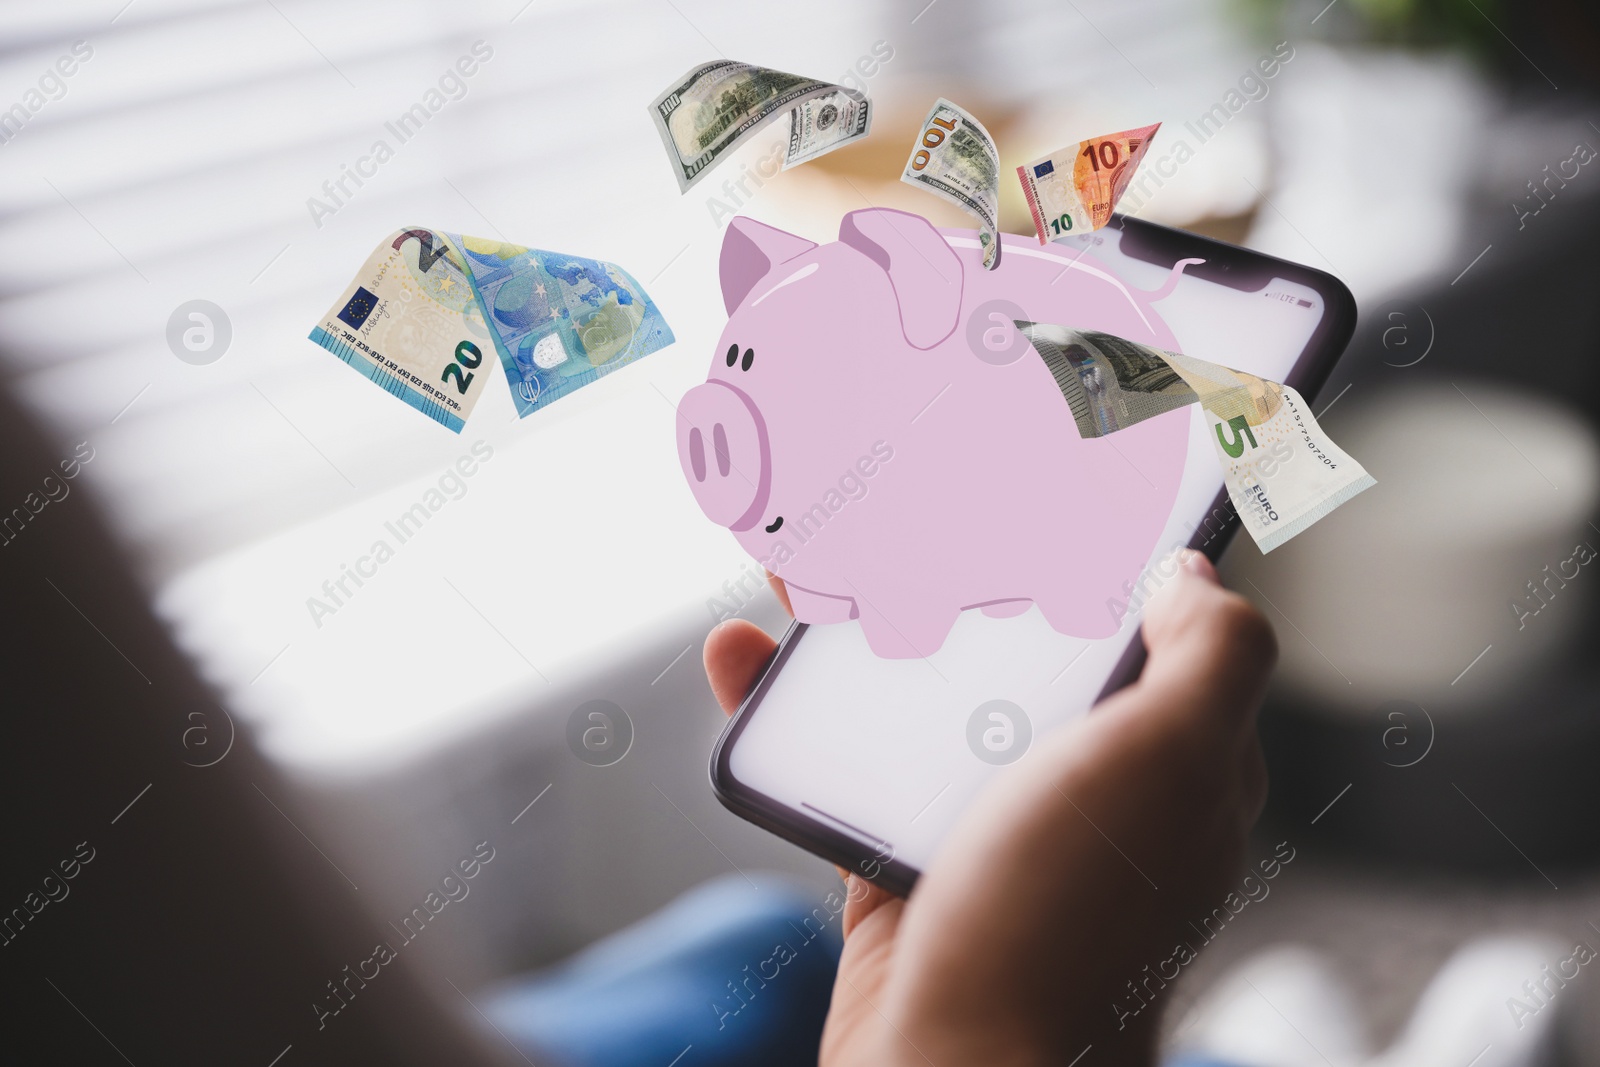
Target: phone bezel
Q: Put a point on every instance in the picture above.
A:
(1227, 264)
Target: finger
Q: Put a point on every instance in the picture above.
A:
(861, 899)
(1210, 651)
(865, 969)
(781, 590)
(735, 652)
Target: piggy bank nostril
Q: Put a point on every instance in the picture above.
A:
(730, 488)
(719, 442)
(697, 454)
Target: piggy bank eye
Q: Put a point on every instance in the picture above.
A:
(749, 357)
(733, 354)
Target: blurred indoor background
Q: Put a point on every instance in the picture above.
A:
(1432, 743)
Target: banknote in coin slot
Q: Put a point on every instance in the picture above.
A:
(1257, 426)
(956, 160)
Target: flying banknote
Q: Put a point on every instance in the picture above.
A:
(717, 106)
(427, 308)
(1075, 189)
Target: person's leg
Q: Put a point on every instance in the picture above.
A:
(737, 971)
(146, 903)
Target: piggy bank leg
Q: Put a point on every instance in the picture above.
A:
(1077, 616)
(1005, 609)
(909, 631)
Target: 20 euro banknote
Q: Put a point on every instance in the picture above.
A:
(558, 322)
(411, 323)
(427, 306)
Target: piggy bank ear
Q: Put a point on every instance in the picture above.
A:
(749, 250)
(923, 269)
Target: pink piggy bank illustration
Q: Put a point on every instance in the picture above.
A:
(877, 433)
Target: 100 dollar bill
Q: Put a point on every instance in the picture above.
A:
(956, 160)
(717, 106)
(1075, 189)
(1282, 472)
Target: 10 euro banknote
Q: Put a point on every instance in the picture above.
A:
(427, 308)
(1075, 189)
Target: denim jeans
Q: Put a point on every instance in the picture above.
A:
(735, 971)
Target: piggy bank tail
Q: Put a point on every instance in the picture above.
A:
(1172, 279)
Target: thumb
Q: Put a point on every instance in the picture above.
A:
(1209, 650)
(861, 899)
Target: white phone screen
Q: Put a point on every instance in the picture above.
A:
(889, 752)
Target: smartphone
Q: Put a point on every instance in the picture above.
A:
(868, 762)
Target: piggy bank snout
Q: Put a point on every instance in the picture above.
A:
(722, 443)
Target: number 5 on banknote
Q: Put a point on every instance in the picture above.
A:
(1240, 425)
(1291, 474)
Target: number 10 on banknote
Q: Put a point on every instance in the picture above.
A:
(1075, 189)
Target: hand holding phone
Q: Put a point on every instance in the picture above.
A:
(1062, 884)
